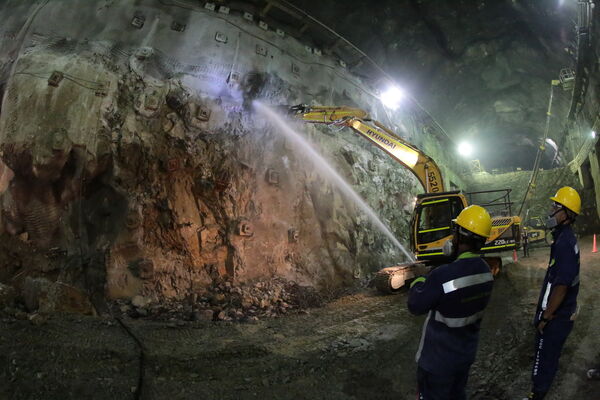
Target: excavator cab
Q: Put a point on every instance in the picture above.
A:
(432, 223)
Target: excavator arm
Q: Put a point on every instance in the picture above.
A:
(422, 166)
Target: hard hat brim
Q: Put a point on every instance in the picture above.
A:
(554, 199)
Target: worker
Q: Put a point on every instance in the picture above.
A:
(525, 243)
(557, 302)
(454, 296)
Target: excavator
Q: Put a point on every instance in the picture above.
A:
(431, 222)
(537, 233)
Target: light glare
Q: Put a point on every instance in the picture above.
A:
(593, 134)
(392, 97)
(465, 149)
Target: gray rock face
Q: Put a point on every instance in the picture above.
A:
(463, 60)
(135, 161)
(548, 182)
(7, 296)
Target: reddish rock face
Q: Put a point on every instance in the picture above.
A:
(139, 168)
(42, 295)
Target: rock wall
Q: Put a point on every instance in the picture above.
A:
(581, 136)
(548, 182)
(133, 162)
(482, 68)
(578, 136)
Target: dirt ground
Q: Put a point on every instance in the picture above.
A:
(360, 346)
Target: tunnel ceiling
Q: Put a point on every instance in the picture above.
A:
(482, 68)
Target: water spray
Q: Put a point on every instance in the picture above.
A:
(301, 143)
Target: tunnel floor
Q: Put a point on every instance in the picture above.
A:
(360, 346)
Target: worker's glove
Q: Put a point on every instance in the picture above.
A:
(420, 269)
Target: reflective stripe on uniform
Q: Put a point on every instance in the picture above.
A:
(546, 295)
(458, 322)
(423, 337)
(467, 281)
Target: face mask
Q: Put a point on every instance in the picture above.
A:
(448, 248)
(551, 222)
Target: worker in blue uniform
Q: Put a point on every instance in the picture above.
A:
(454, 297)
(557, 304)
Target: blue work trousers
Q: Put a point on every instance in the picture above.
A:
(442, 387)
(548, 347)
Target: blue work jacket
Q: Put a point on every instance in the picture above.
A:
(563, 269)
(454, 297)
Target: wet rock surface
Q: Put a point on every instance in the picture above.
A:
(358, 346)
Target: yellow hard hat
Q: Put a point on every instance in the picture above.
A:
(568, 197)
(475, 219)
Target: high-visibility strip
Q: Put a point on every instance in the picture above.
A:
(498, 247)
(441, 253)
(434, 202)
(423, 336)
(546, 295)
(466, 281)
(458, 322)
(435, 229)
(501, 226)
(418, 280)
(552, 262)
(467, 254)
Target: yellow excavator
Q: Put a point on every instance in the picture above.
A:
(431, 224)
(537, 233)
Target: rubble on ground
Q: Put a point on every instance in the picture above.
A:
(7, 296)
(226, 301)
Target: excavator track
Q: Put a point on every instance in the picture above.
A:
(391, 280)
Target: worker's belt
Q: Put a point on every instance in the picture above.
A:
(458, 322)
(467, 281)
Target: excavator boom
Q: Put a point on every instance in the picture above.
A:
(421, 165)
